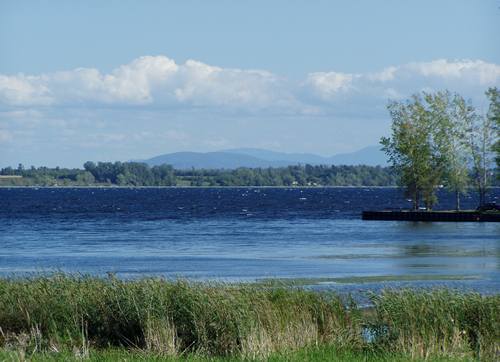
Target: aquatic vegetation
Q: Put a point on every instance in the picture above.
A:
(170, 317)
(83, 314)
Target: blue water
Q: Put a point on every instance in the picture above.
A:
(242, 234)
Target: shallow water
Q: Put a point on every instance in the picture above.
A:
(244, 234)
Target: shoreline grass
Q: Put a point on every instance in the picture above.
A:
(313, 354)
(66, 316)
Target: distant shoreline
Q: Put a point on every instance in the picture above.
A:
(196, 187)
(204, 187)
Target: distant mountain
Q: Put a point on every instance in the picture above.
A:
(254, 157)
(267, 155)
(186, 160)
(371, 155)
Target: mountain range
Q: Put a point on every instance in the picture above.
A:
(254, 157)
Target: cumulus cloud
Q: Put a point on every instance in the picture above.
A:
(469, 70)
(134, 83)
(471, 77)
(329, 84)
(159, 80)
(146, 80)
(22, 90)
(203, 84)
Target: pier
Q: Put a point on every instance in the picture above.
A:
(455, 216)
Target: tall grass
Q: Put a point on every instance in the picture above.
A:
(171, 318)
(163, 318)
(439, 322)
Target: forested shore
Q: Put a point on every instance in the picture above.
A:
(140, 174)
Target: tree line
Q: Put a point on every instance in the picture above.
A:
(442, 139)
(140, 174)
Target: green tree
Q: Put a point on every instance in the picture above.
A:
(480, 138)
(493, 95)
(449, 114)
(410, 150)
(85, 178)
(434, 139)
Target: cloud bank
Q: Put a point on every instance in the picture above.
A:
(160, 81)
(148, 80)
(470, 77)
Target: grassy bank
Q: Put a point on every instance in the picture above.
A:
(312, 354)
(102, 319)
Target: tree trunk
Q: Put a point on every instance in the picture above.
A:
(416, 200)
(482, 196)
(428, 205)
(457, 200)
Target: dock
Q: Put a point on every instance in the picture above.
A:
(454, 216)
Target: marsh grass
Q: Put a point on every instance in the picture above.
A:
(438, 323)
(316, 354)
(79, 315)
(169, 318)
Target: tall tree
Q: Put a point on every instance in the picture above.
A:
(451, 127)
(410, 150)
(427, 147)
(493, 95)
(479, 139)
(441, 140)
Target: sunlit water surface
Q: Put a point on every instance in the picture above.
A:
(244, 234)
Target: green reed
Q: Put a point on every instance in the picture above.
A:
(170, 317)
(438, 322)
(82, 314)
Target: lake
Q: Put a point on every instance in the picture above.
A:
(245, 234)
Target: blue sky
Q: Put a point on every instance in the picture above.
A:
(117, 80)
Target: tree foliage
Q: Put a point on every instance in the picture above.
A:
(140, 174)
(434, 139)
(493, 95)
(412, 149)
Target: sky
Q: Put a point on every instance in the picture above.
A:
(120, 80)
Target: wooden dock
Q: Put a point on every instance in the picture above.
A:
(454, 216)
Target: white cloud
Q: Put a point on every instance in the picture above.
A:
(133, 83)
(384, 75)
(329, 84)
(470, 77)
(468, 70)
(21, 90)
(203, 84)
(146, 80)
(158, 80)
